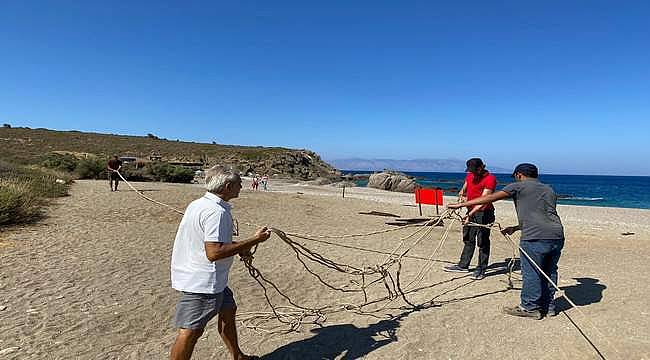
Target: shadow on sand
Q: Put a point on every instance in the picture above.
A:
(347, 341)
(344, 341)
(587, 291)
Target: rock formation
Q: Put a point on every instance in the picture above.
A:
(392, 181)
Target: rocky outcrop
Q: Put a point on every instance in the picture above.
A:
(294, 164)
(392, 181)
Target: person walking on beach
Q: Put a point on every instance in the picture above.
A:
(201, 260)
(114, 165)
(542, 238)
(478, 182)
(265, 182)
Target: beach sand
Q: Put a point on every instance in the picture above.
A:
(92, 281)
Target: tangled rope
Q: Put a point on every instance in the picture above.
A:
(367, 277)
(295, 315)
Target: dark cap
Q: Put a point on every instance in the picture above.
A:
(526, 169)
(474, 164)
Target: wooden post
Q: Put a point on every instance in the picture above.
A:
(420, 207)
(344, 191)
(437, 189)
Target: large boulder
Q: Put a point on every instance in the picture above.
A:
(392, 181)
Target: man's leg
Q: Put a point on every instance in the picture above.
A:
(117, 180)
(550, 267)
(483, 239)
(469, 243)
(228, 331)
(193, 312)
(531, 290)
(184, 344)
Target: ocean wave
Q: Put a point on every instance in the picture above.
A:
(579, 198)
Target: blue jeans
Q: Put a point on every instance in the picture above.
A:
(537, 293)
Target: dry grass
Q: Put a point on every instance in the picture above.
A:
(24, 191)
(29, 146)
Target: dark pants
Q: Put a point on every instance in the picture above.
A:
(474, 235)
(536, 292)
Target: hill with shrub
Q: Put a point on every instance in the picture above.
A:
(38, 165)
(49, 147)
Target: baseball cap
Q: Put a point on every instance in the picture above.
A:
(526, 169)
(473, 164)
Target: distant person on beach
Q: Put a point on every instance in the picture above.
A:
(265, 182)
(114, 165)
(201, 260)
(478, 182)
(255, 184)
(542, 238)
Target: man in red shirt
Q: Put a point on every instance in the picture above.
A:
(114, 165)
(478, 182)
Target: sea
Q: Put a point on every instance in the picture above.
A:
(586, 190)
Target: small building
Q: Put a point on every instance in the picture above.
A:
(155, 156)
(128, 159)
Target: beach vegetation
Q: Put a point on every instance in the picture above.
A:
(18, 204)
(26, 190)
(170, 173)
(91, 168)
(61, 162)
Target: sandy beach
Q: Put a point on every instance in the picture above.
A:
(92, 281)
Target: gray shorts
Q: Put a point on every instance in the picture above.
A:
(194, 310)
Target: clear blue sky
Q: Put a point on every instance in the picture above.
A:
(564, 84)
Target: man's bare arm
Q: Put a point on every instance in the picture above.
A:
(477, 208)
(217, 251)
(499, 195)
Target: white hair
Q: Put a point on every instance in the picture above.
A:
(217, 177)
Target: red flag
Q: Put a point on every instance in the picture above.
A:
(428, 196)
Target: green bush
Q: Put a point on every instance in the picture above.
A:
(91, 168)
(135, 173)
(45, 183)
(46, 186)
(170, 173)
(61, 162)
(18, 204)
(24, 191)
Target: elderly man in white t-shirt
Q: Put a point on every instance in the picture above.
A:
(201, 259)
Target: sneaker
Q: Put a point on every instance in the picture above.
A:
(518, 311)
(551, 312)
(479, 274)
(455, 268)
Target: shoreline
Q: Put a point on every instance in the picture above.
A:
(505, 208)
(571, 189)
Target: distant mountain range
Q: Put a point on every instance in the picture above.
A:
(416, 165)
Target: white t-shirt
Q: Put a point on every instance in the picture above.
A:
(207, 219)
